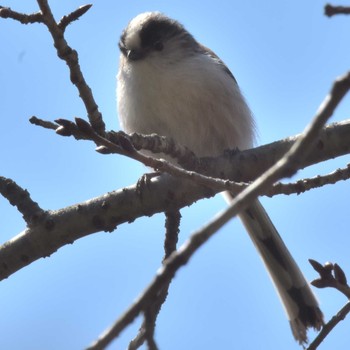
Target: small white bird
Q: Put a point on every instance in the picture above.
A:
(170, 84)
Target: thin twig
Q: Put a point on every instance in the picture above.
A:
(285, 167)
(331, 276)
(43, 123)
(73, 16)
(64, 52)
(146, 331)
(70, 56)
(121, 143)
(330, 10)
(6, 12)
(149, 327)
(172, 224)
(332, 142)
(188, 160)
(20, 198)
(328, 327)
(304, 185)
(125, 147)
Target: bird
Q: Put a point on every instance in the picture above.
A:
(170, 84)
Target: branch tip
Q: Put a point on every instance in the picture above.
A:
(6, 12)
(73, 16)
(316, 265)
(20, 198)
(330, 10)
(43, 123)
(339, 274)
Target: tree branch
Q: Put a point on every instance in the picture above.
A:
(147, 328)
(332, 142)
(70, 56)
(330, 10)
(124, 205)
(64, 52)
(43, 123)
(331, 275)
(6, 12)
(304, 185)
(73, 16)
(328, 327)
(20, 198)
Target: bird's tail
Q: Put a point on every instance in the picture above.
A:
(297, 298)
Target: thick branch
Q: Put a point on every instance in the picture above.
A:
(61, 227)
(108, 211)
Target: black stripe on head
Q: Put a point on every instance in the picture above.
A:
(159, 29)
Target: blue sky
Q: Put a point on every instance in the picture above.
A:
(285, 56)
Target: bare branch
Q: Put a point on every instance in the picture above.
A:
(330, 10)
(6, 12)
(73, 16)
(249, 164)
(63, 127)
(123, 145)
(147, 328)
(331, 275)
(64, 52)
(332, 142)
(328, 327)
(43, 123)
(239, 166)
(58, 228)
(172, 224)
(20, 198)
(70, 56)
(304, 185)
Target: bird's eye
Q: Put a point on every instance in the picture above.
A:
(158, 46)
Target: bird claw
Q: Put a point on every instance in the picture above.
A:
(144, 181)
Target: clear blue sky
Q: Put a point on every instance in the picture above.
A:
(285, 56)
